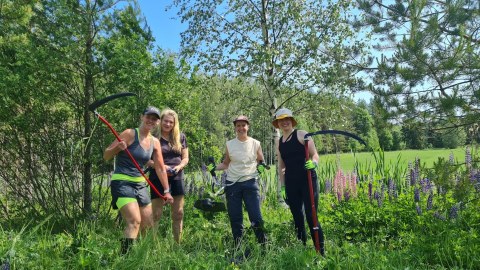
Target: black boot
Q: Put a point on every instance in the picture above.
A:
(126, 244)
(259, 233)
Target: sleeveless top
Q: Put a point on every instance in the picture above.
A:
(171, 158)
(124, 167)
(243, 159)
(293, 155)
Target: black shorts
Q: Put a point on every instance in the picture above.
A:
(129, 189)
(177, 187)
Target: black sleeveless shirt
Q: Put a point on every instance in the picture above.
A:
(293, 155)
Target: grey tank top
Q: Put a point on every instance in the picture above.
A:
(123, 163)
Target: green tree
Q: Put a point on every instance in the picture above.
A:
(427, 57)
(364, 125)
(71, 53)
(288, 47)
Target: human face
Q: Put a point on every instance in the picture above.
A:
(241, 127)
(150, 121)
(168, 122)
(285, 123)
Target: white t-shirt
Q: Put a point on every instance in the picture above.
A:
(243, 159)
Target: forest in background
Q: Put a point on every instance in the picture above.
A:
(418, 58)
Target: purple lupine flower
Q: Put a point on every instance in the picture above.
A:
(347, 195)
(426, 185)
(451, 159)
(328, 186)
(430, 201)
(370, 185)
(395, 193)
(409, 177)
(379, 197)
(412, 177)
(419, 209)
(204, 168)
(415, 172)
(476, 183)
(391, 186)
(353, 184)
(338, 184)
(439, 216)
(453, 214)
(468, 158)
(416, 195)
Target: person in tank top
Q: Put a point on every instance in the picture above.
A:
(243, 161)
(292, 169)
(128, 186)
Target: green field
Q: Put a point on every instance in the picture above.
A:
(427, 157)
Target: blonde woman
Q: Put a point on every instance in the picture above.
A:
(175, 155)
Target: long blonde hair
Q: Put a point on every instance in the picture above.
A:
(174, 136)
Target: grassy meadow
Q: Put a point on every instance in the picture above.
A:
(369, 222)
(426, 156)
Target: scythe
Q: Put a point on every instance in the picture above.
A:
(93, 107)
(306, 139)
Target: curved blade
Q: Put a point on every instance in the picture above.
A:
(92, 107)
(333, 131)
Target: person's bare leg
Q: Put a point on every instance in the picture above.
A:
(157, 208)
(131, 214)
(177, 217)
(147, 219)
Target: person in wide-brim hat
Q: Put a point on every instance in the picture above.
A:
(282, 114)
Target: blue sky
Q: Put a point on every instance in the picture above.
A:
(165, 28)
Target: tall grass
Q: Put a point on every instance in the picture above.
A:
(389, 231)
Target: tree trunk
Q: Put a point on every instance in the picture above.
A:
(88, 92)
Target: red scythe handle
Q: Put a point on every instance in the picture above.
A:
(130, 155)
(312, 200)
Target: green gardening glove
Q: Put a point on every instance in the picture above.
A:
(211, 167)
(261, 168)
(310, 165)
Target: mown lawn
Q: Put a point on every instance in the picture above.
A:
(427, 157)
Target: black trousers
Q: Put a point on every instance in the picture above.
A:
(298, 196)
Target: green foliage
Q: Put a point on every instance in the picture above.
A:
(424, 53)
(385, 231)
(454, 138)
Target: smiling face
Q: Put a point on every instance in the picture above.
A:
(150, 121)
(285, 123)
(168, 123)
(241, 128)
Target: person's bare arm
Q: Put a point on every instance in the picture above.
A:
(160, 169)
(225, 163)
(116, 146)
(184, 161)
(312, 150)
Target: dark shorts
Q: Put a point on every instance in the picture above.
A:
(177, 187)
(128, 189)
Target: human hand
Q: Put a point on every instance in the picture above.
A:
(150, 164)
(122, 145)
(171, 171)
(168, 198)
(310, 165)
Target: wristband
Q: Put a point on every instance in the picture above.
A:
(166, 191)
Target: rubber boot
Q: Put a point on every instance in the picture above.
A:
(126, 244)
